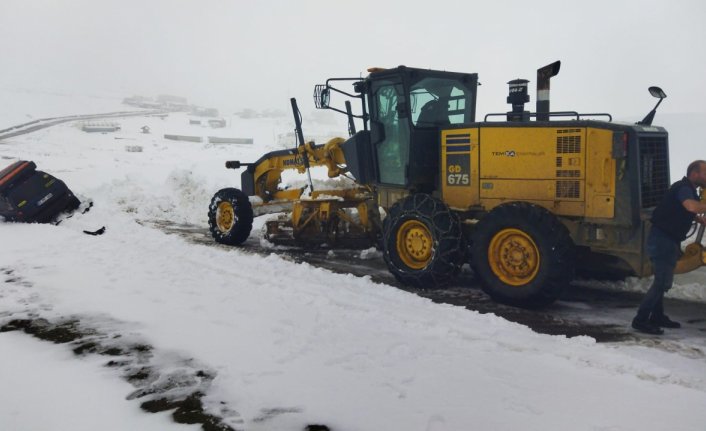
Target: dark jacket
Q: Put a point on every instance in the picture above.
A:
(670, 216)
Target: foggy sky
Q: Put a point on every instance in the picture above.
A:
(258, 54)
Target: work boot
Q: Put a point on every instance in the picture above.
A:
(647, 327)
(664, 322)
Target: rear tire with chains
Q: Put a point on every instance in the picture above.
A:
(422, 242)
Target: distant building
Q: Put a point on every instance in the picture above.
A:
(142, 102)
(173, 103)
(168, 99)
(204, 112)
(217, 123)
(101, 127)
(150, 105)
(136, 100)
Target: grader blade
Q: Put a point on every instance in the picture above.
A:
(331, 219)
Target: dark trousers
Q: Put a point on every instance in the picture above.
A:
(664, 253)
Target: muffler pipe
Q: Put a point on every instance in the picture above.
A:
(544, 75)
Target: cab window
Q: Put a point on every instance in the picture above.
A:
(439, 102)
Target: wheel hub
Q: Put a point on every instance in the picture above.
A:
(513, 257)
(414, 244)
(225, 216)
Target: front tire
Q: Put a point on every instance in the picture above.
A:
(523, 255)
(230, 216)
(422, 242)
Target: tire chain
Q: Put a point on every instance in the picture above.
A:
(448, 241)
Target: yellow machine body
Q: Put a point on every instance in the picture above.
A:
(569, 171)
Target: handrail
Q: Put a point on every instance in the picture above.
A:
(555, 114)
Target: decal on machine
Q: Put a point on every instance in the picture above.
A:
(508, 153)
(458, 169)
(513, 153)
(297, 160)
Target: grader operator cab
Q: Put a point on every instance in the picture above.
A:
(527, 198)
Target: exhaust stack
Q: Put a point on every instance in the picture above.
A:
(544, 75)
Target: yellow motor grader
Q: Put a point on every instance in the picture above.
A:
(528, 199)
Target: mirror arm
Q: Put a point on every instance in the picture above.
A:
(647, 121)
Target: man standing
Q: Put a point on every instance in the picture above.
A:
(671, 221)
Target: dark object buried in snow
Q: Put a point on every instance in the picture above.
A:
(28, 195)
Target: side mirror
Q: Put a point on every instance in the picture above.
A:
(657, 92)
(322, 96)
(325, 98)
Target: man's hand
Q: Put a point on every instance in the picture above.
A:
(701, 219)
(694, 206)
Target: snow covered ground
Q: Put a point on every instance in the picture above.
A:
(287, 344)
(46, 388)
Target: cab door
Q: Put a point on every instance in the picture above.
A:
(392, 151)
